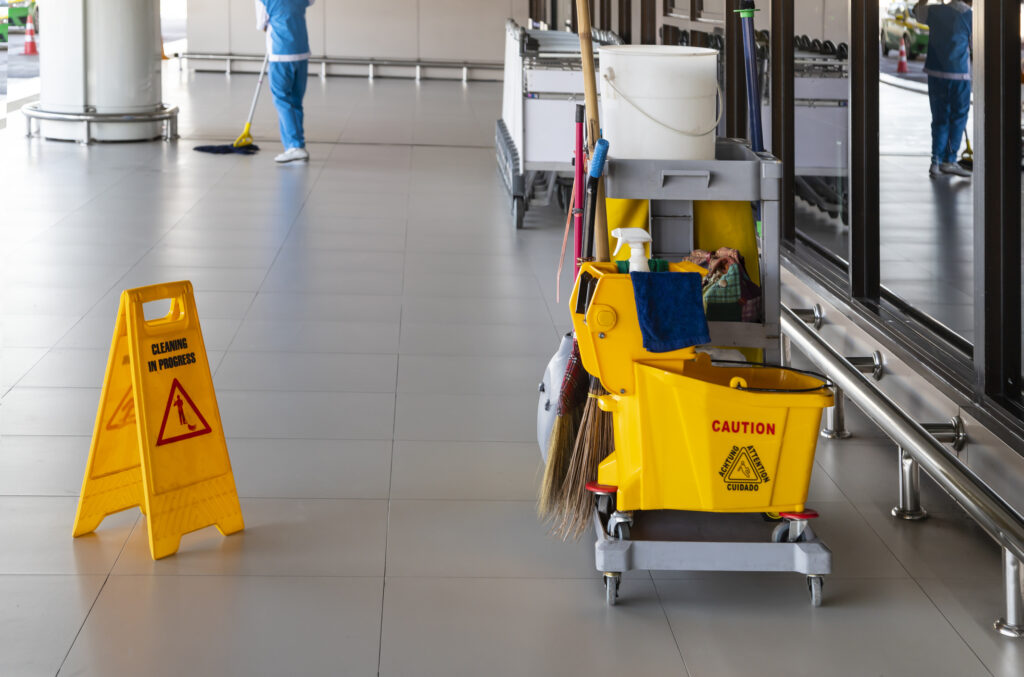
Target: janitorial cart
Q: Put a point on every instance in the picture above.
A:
(713, 440)
(705, 450)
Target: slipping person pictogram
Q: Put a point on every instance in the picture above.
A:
(180, 405)
(172, 430)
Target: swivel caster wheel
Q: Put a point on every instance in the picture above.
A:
(611, 587)
(814, 586)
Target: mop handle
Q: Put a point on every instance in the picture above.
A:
(746, 13)
(577, 237)
(594, 198)
(259, 86)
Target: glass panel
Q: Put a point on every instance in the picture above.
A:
(926, 194)
(821, 121)
(1022, 162)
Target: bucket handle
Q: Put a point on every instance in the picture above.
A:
(720, 105)
(739, 383)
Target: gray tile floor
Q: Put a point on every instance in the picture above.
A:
(383, 452)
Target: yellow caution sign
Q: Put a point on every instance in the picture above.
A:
(158, 442)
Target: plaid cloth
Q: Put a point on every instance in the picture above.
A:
(729, 293)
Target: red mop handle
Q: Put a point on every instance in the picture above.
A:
(577, 233)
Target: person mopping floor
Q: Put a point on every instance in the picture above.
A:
(288, 46)
(948, 66)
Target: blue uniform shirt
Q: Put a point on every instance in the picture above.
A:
(288, 39)
(949, 40)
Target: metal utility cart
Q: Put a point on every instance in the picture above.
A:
(534, 137)
(713, 531)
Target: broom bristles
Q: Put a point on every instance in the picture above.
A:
(572, 395)
(593, 443)
(559, 450)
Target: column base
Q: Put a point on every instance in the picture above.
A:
(1007, 630)
(911, 515)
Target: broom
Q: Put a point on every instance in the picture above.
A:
(595, 438)
(593, 443)
(572, 397)
(572, 393)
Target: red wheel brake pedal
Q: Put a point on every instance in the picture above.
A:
(805, 515)
(601, 489)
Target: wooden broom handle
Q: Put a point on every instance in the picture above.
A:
(600, 233)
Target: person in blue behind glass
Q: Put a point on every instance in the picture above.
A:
(948, 66)
(288, 46)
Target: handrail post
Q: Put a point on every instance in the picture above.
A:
(1013, 624)
(909, 505)
(835, 417)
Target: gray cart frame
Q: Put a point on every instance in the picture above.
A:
(737, 173)
(694, 541)
(667, 540)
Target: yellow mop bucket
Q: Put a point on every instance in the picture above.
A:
(722, 437)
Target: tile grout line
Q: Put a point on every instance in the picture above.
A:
(917, 583)
(951, 626)
(661, 605)
(98, 593)
(394, 430)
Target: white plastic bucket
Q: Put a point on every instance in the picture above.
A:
(660, 102)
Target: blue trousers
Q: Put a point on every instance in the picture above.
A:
(288, 85)
(950, 101)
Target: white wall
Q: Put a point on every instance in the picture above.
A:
(471, 30)
(823, 19)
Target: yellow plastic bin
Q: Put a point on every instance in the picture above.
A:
(689, 434)
(729, 438)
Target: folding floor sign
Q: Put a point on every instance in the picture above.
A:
(158, 442)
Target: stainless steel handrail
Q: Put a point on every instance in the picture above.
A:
(992, 514)
(163, 113)
(354, 61)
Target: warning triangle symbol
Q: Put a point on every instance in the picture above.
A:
(124, 415)
(182, 418)
(742, 469)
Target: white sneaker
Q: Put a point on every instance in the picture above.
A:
(953, 168)
(292, 155)
(934, 171)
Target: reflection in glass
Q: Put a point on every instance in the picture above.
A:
(926, 192)
(821, 122)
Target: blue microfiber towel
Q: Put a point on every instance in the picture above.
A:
(229, 149)
(670, 308)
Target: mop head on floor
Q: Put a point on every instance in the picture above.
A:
(227, 149)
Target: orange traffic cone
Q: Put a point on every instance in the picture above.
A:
(902, 67)
(30, 38)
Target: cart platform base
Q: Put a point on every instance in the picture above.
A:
(695, 541)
